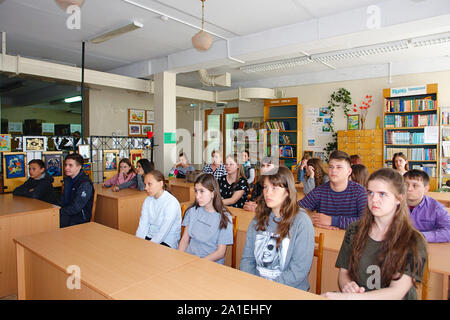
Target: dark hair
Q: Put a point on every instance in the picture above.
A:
(402, 155)
(319, 170)
(246, 151)
(39, 162)
(360, 174)
(355, 159)
(401, 237)
(209, 182)
(146, 165)
(416, 174)
(159, 176)
(215, 151)
(340, 155)
(128, 162)
(289, 209)
(77, 157)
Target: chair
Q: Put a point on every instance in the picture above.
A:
(234, 246)
(94, 206)
(318, 252)
(183, 211)
(425, 278)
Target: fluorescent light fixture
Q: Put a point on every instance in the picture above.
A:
(276, 65)
(441, 38)
(73, 99)
(117, 32)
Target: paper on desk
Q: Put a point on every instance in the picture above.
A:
(431, 134)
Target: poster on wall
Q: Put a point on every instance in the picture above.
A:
(135, 156)
(150, 116)
(34, 144)
(15, 165)
(85, 151)
(110, 160)
(87, 168)
(15, 127)
(5, 142)
(147, 128)
(53, 162)
(136, 116)
(134, 130)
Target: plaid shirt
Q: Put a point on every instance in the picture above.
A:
(219, 172)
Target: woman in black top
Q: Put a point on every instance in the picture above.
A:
(233, 187)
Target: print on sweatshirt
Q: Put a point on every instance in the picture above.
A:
(270, 259)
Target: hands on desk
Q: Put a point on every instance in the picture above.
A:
(250, 206)
(321, 220)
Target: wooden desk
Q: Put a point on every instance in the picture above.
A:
(183, 191)
(203, 279)
(20, 216)
(109, 262)
(119, 210)
(299, 187)
(442, 197)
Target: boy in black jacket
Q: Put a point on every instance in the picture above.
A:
(78, 196)
(39, 185)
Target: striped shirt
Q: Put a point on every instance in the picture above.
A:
(220, 170)
(344, 207)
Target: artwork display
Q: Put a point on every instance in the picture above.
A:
(135, 156)
(136, 116)
(15, 165)
(87, 168)
(308, 152)
(147, 128)
(134, 130)
(5, 142)
(150, 116)
(85, 151)
(34, 144)
(110, 160)
(353, 122)
(53, 162)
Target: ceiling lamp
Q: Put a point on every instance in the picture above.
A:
(202, 40)
(64, 4)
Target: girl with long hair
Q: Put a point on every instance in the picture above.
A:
(315, 176)
(121, 179)
(160, 220)
(208, 226)
(360, 174)
(280, 239)
(382, 255)
(400, 163)
(234, 186)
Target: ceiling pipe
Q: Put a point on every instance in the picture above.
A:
(188, 24)
(222, 80)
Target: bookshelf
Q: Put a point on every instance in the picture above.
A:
(444, 164)
(285, 117)
(407, 112)
(246, 139)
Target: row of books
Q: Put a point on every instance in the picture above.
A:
(277, 125)
(430, 169)
(245, 125)
(413, 120)
(445, 119)
(418, 154)
(410, 105)
(287, 151)
(401, 137)
(285, 139)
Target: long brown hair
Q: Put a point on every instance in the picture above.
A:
(400, 239)
(128, 162)
(360, 174)
(319, 170)
(240, 172)
(159, 176)
(289, 209)
(401, 155)
(210, 183)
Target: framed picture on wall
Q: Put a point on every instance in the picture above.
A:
(136, 116)
(53, 162)
(34, 144)
(110, 160)
(353, 122)
(135, 156)
(147, 128)
(85, 151)
(87, 168)
(5, 142)
(308, 152)
(14, 165)
(134, 130)
(150, 116)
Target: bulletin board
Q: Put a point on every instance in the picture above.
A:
(140, 122)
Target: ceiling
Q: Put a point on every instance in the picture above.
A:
(258, 30)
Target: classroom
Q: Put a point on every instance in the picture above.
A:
(224, 150)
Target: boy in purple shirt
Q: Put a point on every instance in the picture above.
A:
(338, 202)
(427, 215)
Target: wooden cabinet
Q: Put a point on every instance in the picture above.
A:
(368, 144)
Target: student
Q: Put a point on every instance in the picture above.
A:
(355, 159)
(182, 166)
(302, 167)
(78, 196)
(143, 166)
(338, 202)
(125, 175)
(400, 163)
(160, 220)
(382, 255)
(249, 169)
(315, 175)
(208, 226)
(267, 167)
(280, 239)
(39, 185)
(427, 215)
(360, 174)
(233, 187)
(216, 168)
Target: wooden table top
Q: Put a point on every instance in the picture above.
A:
(125, 193)
(439, 196)
(206, 280)
(109, 260)
(439, 254)
(180, 182)
(17, 205)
